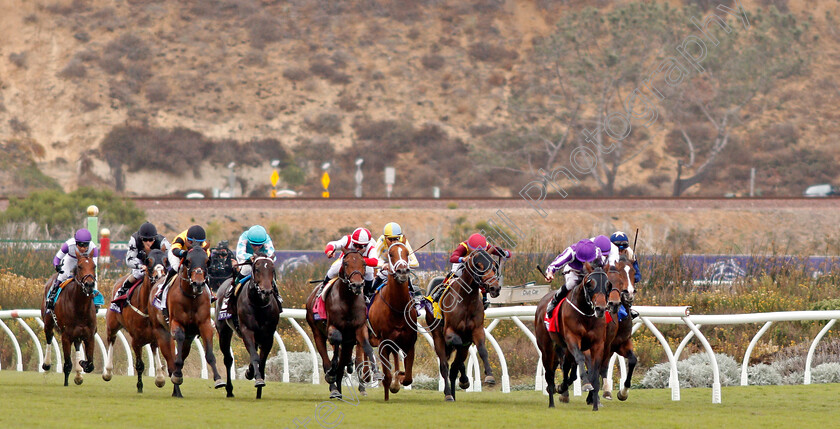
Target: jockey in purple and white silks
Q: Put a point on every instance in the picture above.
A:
(65, 260)
(609, 251)
(572, 259)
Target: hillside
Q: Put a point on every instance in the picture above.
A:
(156, 97)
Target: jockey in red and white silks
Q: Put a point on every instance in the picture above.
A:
(359, 240)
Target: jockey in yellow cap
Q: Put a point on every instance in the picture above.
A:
(391, 234)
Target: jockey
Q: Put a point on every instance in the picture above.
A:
(359, 240)
(620, 240)
(254, 240)
(474, 242)
(573, 259)
(609, 251)
(392, 233)
(181, 245)
(65, 261)
(140, 245)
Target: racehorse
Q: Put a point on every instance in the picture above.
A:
(463, 320)
(258, 313)
(135, 320)
(345, 322)
(74, 317)
(622, 342)
(189, 310)
(581, 326)
(393, 321)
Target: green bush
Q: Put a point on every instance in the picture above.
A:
(62, 213)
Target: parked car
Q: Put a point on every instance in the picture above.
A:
(194, 195)
(824, 190)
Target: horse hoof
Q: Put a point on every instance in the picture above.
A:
(335, 394)
(330, 379)
(623, 394)
(78, 380)
(249, 374)
(395, 389)
(587, 387)
(464, 385)
(349, 368)
(219, 384)
(490, 380)
(363, 392)
(106, 377)
(160, 382)
(564, 398)
(450, 398)
(608, 395)
(87, 366)
(177, 380)
(259, 383)
(46, 367)
(230, 395)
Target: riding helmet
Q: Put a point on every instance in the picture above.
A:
(196, 233)
(147, 230)
(620, 239)
(361, 236)
(392, 229)
(585, 250)
(477, 241)
(603, 242)
(82, 236)
(256, 235)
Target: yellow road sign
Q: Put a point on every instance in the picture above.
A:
(325, 180)
(325, 194)
(275, 177)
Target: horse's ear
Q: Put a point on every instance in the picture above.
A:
(588, 267)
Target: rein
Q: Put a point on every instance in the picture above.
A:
(586, 294)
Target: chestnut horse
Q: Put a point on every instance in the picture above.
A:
(581, 327)
(345, 323)
(74, 317)
(393, 321)
(135, 319)
(463, 320)
(622, 342)
(258, 313)
(189, 309)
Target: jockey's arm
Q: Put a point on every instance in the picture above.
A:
(500, 252)
(332, 246)
(62, 252)
(242, 254)
(562, 259)
(458, 254)
(132, 259)
(412, 259)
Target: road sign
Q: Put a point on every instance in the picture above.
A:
(275, 177)
(325, 180)
(390, 175)
(325, 194)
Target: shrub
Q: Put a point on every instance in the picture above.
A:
(75, 69)
(348, 103)
(432, 61)
(327, 71)
(18, 126)
(763, 375)
(89, 105)
(130, 46)
(157, 91)
(695, 371)
(295, 74)
(826, 373)
(325, 123)
(86, 56)
(110, 63)
(18, 59)
(264, 29)
(136, 75)
(483, 51)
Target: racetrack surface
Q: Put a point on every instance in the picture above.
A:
(29, 399)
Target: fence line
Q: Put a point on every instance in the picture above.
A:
(649, 317)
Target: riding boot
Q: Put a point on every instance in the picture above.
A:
(441, 287)
(124, 288)
(169, 275)
(368, 287)
(416, 295)
(558, 296)
(484, 300)
(279, 298)
(51, 296)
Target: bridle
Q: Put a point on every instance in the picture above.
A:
(88, 291)
(587, 295)
(254, 284)
(344, 277)
(399, 264)
(197, 288)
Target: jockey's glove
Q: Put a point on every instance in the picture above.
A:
(58, 268)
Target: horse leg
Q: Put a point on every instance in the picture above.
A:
(461, 354)
(77, 363)
(386, 380)
(569, 375)
(443, 361)
(362, 371)
(597, 353)
(113, 326)
(362, 338)
(206, 332)
(68, 357)
(335, 338)
(631, 365)
(254, 363)
(139, 366)
(48, 333)
(225, 335)
(408, 378)
(321, 346)
(178, 334)
(160, 380)
(87, 364)
(265, 349)
(549, 363)
(395, 385)
(580, 359)
(335, 384)
(478, 338)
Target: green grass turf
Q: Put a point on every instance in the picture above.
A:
(29, 399)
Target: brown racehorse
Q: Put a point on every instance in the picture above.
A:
(135, 319)
(463, 321)
(74, 317)
(189, 308)
(581, 327)
(258, 313)
(393, 321)
(622, 342)
(345, 324)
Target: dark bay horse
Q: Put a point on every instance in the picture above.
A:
(189, 309)
(463, 321)
(258, 313)
(393, 321)
(345, 323)
(581, 327)
(74, 317)
(622, 343)
(135, 319)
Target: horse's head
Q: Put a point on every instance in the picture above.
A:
(155, 265)
(263, 277)
(85, 274)
(596, 286)
(628, 273)
(353, 270)
(398, 261)
(196, 265)
(484, 271)
(616, 288)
